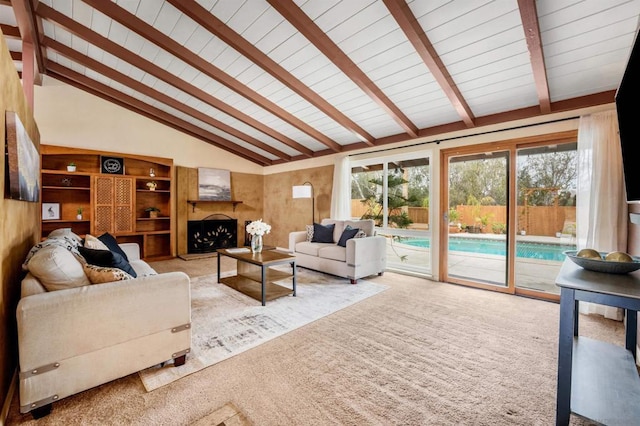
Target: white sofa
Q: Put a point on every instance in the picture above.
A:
(74, 339)
(360, 258)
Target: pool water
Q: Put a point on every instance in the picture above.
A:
(524, 249)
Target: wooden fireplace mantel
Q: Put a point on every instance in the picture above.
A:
(194, 202)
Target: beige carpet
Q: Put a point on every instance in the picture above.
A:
(419, 353)
(225, 322)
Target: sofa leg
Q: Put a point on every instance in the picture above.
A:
(354, 281)
(380, 273)
(177, 362)
(40, 412)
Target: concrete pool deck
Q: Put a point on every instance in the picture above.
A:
(531, 274)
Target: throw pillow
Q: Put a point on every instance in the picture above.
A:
(100, 274)
(106, 258)
(94, 243)
(64, 232)
(57, 268)
(309, 233)
(65, 241)
(347, 234)
(110, 241)
(322, 233)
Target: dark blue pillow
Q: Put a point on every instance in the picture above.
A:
(107, 259)
(322, 233)
(110, 241)
(347, 234)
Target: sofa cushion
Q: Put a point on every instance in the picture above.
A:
(347, 234)
(110, 241)
(367, 225)
(338, 227)
(57, 268)
(334, 252)
(102, 274)
(142, 268)
(310, 248)
(106, 258)
(323, 233)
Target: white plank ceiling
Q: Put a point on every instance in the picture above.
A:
(275, 81)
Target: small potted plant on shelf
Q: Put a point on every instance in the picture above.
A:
(71, 167)
(153, 212)
(79, 215)
(152, 185)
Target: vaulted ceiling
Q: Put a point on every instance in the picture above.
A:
(275, 81)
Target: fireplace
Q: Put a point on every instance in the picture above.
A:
(213, 232)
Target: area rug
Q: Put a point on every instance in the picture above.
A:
(226, 322)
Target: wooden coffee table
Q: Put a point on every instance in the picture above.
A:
(255, 276)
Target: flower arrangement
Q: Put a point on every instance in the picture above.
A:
(258, 227)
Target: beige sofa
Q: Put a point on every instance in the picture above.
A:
(362, 256)
(74, 339)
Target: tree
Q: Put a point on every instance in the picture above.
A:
(486, 180)
(396, 200)
(547, 170)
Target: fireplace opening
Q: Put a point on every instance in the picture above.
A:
(213, 232)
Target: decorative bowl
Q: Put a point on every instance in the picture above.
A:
(608, 266)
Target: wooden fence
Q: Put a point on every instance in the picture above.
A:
(534, 220)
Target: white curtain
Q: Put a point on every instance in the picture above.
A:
(341, 193)
(601, 200)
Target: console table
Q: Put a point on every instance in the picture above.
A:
(597, 380)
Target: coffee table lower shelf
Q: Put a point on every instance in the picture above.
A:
(253, 288)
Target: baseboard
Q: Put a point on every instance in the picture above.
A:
(7, 402)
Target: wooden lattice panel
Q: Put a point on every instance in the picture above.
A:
(123, 220)
(104, 190)
(103, 219)
(123, 191)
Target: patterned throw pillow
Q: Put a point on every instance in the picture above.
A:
(65, 241)
(359, 234)
(309, 233)
(103, 274)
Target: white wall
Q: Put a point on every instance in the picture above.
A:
(67, 116)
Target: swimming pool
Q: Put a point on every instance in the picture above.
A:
(526, 249)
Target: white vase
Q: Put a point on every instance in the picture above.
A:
(256, 243)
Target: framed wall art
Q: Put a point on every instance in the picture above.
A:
(50, 211)
(214, 184)
(22, 162)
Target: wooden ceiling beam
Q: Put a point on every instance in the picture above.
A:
(137, 61)
(16, 56)
(156, 114)
(296, 17)
(136, 85)
(215, 26)
(165, 42)
(10, 31)
(421, 43)
(26, 19)
(529, 16)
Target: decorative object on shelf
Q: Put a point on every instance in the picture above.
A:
(66, 181)
(111, 165)
(71, 167)
(152, 172)
(257, 229)
(152, 185)
(602, 265)
(22, 161)
(306, 191)
(214, 184)
(50, 211)
(153, 212)
(79, 215)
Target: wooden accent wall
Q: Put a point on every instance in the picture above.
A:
(245, 187)
(19, 224)
(286, 214)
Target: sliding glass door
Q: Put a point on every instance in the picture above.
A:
(509, 213)
(395, 194)
(475, 244)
